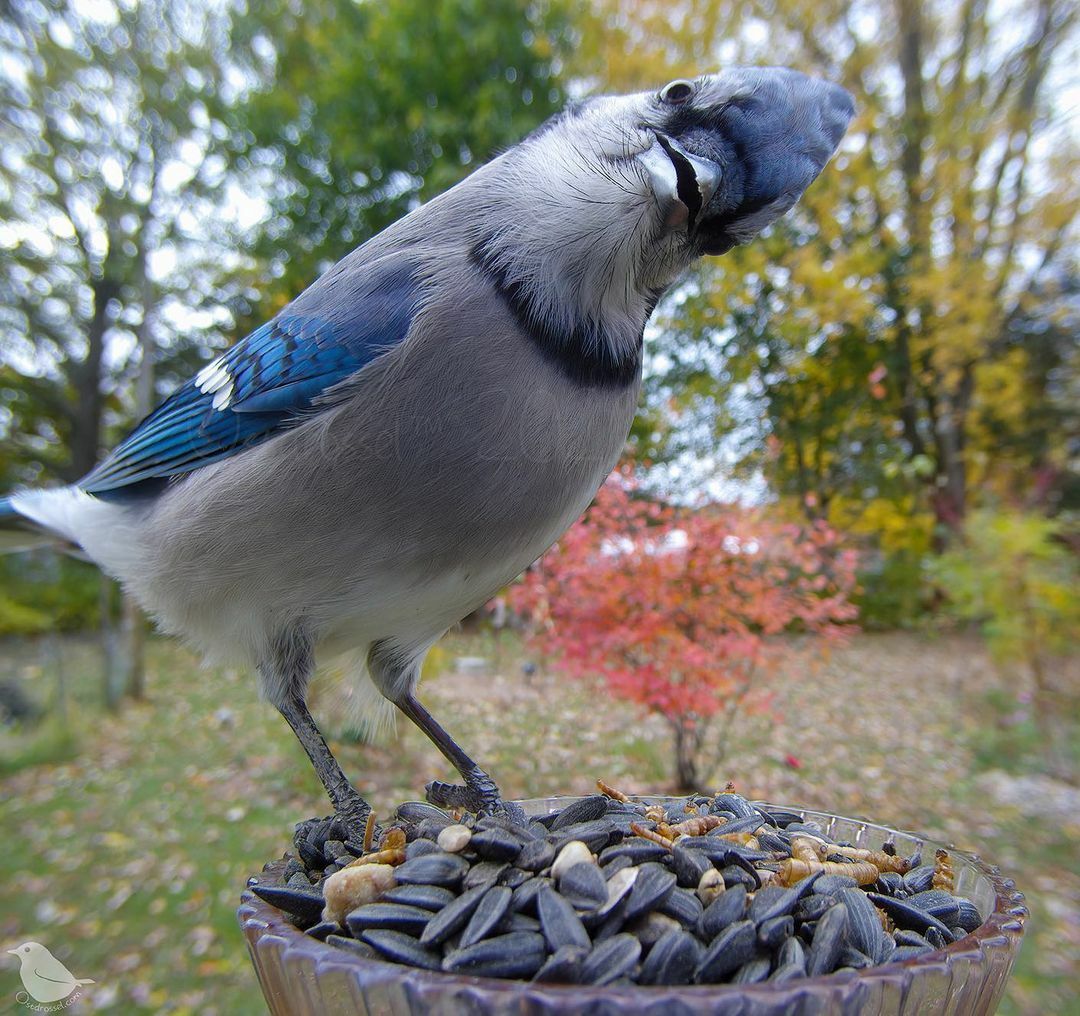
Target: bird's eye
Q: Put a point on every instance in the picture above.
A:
(675, 93)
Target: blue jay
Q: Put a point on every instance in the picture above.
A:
(425, 420)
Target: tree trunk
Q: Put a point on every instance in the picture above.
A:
(112, 671)
(133, 637)
(85, 377)
(686, 760)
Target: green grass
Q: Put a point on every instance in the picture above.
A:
(129, 836)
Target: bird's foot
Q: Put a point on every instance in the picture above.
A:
(355, 818)
(348, 823)
(479, 794)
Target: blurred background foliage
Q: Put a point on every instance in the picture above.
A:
(897, 353)
(896, 360)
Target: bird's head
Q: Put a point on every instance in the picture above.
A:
(727, 154)
(598, 210)
(27, 950)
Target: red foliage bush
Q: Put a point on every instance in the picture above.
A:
(686, 612)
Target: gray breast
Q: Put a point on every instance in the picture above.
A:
(447, 467)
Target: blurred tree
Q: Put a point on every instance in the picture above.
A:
(1015, 577)
(685, 611)
(378, 107)
(114, 161)
(875, 332)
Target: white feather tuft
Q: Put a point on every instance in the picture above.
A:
(105, 531)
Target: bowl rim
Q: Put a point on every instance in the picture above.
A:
(1002, 929)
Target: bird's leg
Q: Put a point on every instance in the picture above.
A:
(479, 794)
(352, 810)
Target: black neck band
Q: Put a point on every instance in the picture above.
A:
(585, 353)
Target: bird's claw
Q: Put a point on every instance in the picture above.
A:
(479, 794)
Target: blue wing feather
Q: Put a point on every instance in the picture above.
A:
(266, 381)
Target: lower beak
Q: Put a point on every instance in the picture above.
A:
(682, 182)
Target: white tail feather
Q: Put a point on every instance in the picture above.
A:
(101, 529)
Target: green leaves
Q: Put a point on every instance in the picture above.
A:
(376, 107)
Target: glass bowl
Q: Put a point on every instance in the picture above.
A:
(301, 976)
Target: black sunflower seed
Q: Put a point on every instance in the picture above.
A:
(684, 906)
(792, 953)
(335, 849)
(828, 941)
(938, 903)
(889, 882)
(738, 806)
(774, 842)
(937, 938)
(559, 922)
(781, 817)
(517, 954)
(653, 885)
(429, 829)
(619, 885)
(737, 875)
(430, 897)
(596, 835)
(907, 916)
(412, 813)
(864, 926)
(521, 830)
(496, 844)
(488, 913)
(773, 932)
(433, 869)
(535, 855)
(811, 908)
(910, 952)
(967, 914)
(421, 846)
(584, 810)
(733, 947)
(638, 852)
(321, 930)
(402, 948)
(912, 938)
(854, 958)
(754, 971)
(672, 960)
(788, 972)
(306, 905)
(352, 945)
(689, 865)
(524, 898)
(484, 873)
(452, 918)
(564, 966)
(584, 886)
(617, 864)
(919, 879)
(830, 885)
(391, 916)
(648, 930)
(611, 959)
(513, 877)
(772, 901)
(518, 922)
(725, 910)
